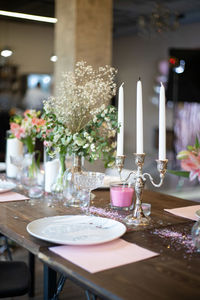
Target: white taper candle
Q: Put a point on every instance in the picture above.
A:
(120, 135)
(162, 125)
(139, 119)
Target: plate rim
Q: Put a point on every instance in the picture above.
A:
(196, 213)
(7, 189)
(75, 243)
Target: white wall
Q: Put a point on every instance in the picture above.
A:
(32, 44)
(134, 57)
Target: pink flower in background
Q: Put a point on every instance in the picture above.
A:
(27, 127)
(47, 143)
(192, 164)
(38, 122)
(17, 130)
(29, 112)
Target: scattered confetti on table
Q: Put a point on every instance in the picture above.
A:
(105, 213)
(177, 239)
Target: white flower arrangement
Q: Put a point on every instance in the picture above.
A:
(80, 120)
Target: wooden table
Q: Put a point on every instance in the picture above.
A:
(174, 274)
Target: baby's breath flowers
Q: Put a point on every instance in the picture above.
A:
(80, 120)
(82, 95)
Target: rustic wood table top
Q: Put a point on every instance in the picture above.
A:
(174, 274)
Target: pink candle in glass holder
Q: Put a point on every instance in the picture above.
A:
(121, 195)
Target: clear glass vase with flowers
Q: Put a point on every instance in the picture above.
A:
(26, 128)
(81, 122)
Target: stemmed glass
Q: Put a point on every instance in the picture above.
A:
(88, 181)
(17, 161)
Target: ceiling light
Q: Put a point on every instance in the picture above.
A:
(27, 16)
(53, 58)
(6, 52)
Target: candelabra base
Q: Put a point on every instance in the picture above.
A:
(140, 220)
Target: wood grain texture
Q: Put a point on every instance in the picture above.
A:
(174, 274)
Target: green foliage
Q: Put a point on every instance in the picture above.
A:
(179, 173)
(95, 141)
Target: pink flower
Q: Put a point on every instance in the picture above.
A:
(38, 122)
(17, 130)
(28, 111)
(47, 144)
(44, 135)
(192, 164)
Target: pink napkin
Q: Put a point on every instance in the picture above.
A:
(104, 256)
(185, 212)
(11, 196)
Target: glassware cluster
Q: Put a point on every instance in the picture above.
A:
(88, 181)
(29, 175)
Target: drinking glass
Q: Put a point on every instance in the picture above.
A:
(88, 181)
(196, 235)
(17, 161)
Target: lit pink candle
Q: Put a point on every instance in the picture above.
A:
(121, 196)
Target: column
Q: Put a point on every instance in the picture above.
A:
(83, 32)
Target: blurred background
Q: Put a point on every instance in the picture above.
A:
(155, 40)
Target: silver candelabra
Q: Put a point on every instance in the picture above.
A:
(138, 217)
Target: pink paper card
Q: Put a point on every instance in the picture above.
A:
(185, 212)
(11, 196)
(105, 256)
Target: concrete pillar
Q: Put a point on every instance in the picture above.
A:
(83, 32)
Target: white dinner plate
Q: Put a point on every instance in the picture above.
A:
(6, 186)
(2, 166)
(76, 229)
(198, 213)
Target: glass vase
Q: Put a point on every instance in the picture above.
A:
(54, 173)
(51, 168)
(32, 178)
(30, 171)
(73, 196)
